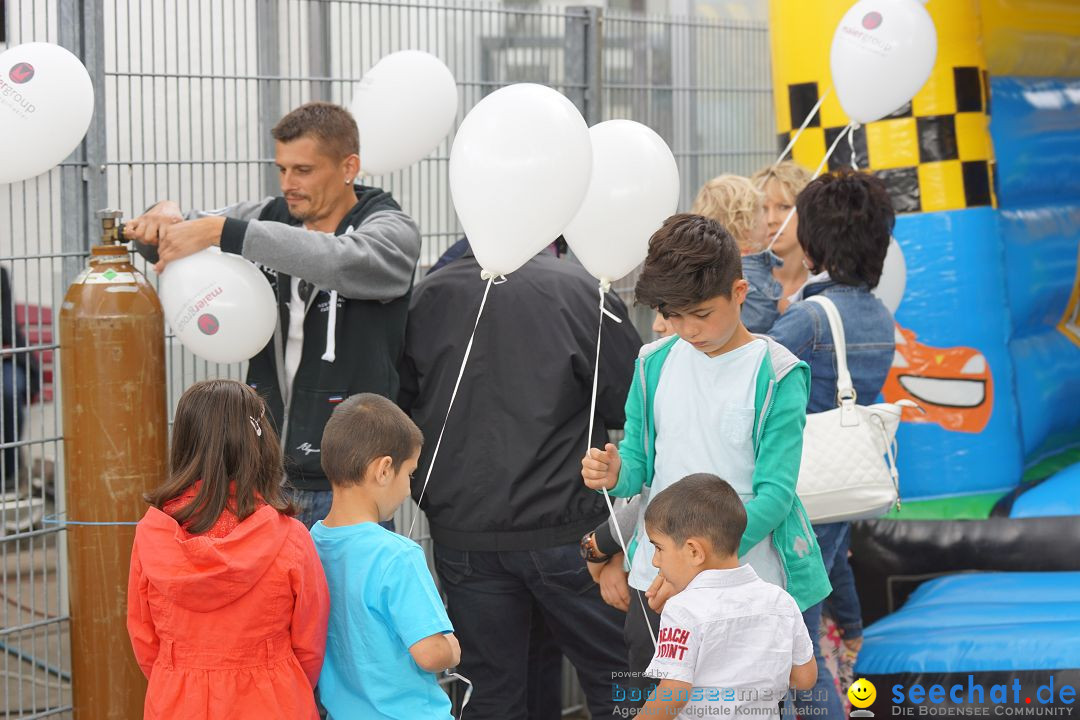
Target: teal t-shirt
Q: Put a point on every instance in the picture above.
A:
(382, 601)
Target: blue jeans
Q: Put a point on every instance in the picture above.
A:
(314, 505)
(832, 539)
(491, 597)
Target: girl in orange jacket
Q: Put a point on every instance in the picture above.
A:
(227, 601)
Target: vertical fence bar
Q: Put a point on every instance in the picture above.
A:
(575, 61)
(594, 64)
(267, 24)
(93, 37)
(320, 46)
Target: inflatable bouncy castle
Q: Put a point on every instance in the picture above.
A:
(983, 166)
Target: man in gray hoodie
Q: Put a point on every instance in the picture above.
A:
(340, 258)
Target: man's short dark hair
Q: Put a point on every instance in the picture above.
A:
(331, 125)
(361, 430)
(845, 222)
(702, 506)
(691, 260)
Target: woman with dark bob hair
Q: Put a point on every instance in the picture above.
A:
(845, 224)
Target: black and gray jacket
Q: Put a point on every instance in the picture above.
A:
(354, 326)
(508, 474)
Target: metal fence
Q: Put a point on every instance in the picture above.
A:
(186, 91)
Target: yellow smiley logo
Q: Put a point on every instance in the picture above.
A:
(862, 693)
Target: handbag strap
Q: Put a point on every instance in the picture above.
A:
(845, 389)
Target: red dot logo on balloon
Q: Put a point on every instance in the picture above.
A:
(872, 20)
(208, 324)
(21, 73)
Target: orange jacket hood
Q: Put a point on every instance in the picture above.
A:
(203, 573)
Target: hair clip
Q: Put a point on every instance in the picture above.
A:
(255, 424)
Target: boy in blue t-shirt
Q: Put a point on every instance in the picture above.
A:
(388, 628)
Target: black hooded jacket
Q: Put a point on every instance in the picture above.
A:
(508, 474)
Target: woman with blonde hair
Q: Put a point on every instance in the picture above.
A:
(779, 271)
(734, 202)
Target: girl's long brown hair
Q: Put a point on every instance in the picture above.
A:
(216, 439)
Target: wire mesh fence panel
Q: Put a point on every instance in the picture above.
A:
(703, 85)
(188, 91)
(34, 657)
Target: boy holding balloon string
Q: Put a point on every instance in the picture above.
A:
(713, 399)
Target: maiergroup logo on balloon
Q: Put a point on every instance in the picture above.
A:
(13, 97)
(873, 43)
(21, 73)
(200, 302)
(871, 20)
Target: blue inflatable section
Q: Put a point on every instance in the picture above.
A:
(1035, 126)
(1047, 369)
(1055, 497)
(953, 299)
(979, 622)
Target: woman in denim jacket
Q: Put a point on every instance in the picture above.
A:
(779, 271)
(845, 221)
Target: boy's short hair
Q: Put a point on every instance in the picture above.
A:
(331, 125)
(703, 506)
(791, 177)
(691, 259)
(845, 223)
(361, 430)
(735, 203)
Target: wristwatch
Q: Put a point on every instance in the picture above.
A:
(589, 551)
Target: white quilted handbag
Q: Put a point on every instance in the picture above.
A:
(848, 469)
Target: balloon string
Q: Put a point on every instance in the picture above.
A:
(58, 519)
(468, 350)
(592, 418)
(851, 145)
(809, 116)
(468, 690)
(849, 130)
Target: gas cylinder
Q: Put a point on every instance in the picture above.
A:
(112, 355)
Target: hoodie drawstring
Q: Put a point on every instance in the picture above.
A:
(331, 323)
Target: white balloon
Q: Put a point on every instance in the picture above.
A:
(890, 289)
(519, 169)
(882, 54)
(46, 103)
(219, 305)
(404, 106)
(634, 188)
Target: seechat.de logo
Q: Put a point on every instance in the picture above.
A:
(862, 694)
(21, 73)
(871, 20)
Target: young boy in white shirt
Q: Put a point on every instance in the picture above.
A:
(727, 638)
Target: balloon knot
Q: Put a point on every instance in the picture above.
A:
(492, 277)
(605, 285)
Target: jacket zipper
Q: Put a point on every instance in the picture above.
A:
(279, 361)
(765, 412)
